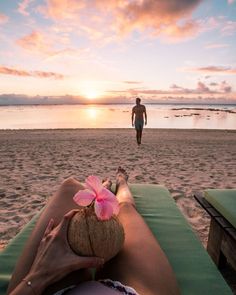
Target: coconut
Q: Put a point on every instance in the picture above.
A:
(90, 236)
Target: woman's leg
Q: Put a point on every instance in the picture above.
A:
(141, 263)
(58, 205)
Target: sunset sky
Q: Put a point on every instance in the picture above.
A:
(114, 50)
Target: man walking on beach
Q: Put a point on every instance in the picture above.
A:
(139, 112)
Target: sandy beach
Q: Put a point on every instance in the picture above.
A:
(34, 163)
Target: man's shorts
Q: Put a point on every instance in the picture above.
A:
(138, 124)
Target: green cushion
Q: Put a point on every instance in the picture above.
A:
(224, 201)
(195, 271)
(9, 256)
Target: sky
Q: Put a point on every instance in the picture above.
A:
(72, 51)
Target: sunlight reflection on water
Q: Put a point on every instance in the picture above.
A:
(115, 116)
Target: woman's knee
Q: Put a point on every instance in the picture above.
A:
(71, 183)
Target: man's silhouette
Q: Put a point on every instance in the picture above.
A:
(138, 114)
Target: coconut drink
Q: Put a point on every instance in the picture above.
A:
(95, 230)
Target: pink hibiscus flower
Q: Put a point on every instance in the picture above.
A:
(105, 202)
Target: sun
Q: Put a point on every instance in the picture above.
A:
(91, 94)
(91, 90)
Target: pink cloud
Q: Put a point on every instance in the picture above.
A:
(132, 82)
(36, 43)
(170, 18)
(53, 75)
(229, 28)
(221, 23)
(214, 69)
(231, 2)
(22, 7)
(40, 43)
(214, 84)
(201, 88)
(216, 45)
(14, 72)
(106, 18)
(225, 87)
(23, 73)
(62, 9)
(179, 32)
(3, 18)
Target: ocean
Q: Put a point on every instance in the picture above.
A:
(179, 116)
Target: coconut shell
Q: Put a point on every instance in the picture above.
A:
(89, 236)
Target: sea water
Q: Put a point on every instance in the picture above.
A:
(117, 116)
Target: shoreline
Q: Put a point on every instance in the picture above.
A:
(113, 129)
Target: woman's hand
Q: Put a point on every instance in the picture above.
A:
(54, 258)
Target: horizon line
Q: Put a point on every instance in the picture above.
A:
(121, 103)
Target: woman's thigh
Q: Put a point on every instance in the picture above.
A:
(141, 263)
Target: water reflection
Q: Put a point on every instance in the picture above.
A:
(92, 112)
(111, 116)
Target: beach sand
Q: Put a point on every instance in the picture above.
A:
(34, 163)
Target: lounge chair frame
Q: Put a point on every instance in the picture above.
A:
(221, 244)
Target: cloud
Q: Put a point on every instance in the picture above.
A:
(225, 87)
(20, 99)
(24, 73)
(213, 69)
(132, 82)
(41, 44)
(201, 88)
(170, 18)
(62, 9)
(22, 7)
(3, 18)
(53, 75)
(99, 18)
(178, 32)
(230, 1)
(216, 45)
(36, 42)
(222, 24)
(228, 28)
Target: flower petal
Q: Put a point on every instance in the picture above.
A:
(105, 194)
(103, 210)
(94, 183)
(108, 197)
(84, 197)
(115, 207)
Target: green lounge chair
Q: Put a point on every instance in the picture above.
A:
(194, 269)
(224, 201)
(221, 206)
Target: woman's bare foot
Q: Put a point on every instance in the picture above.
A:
(123, 193)
(107, 183)
(121, 176)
